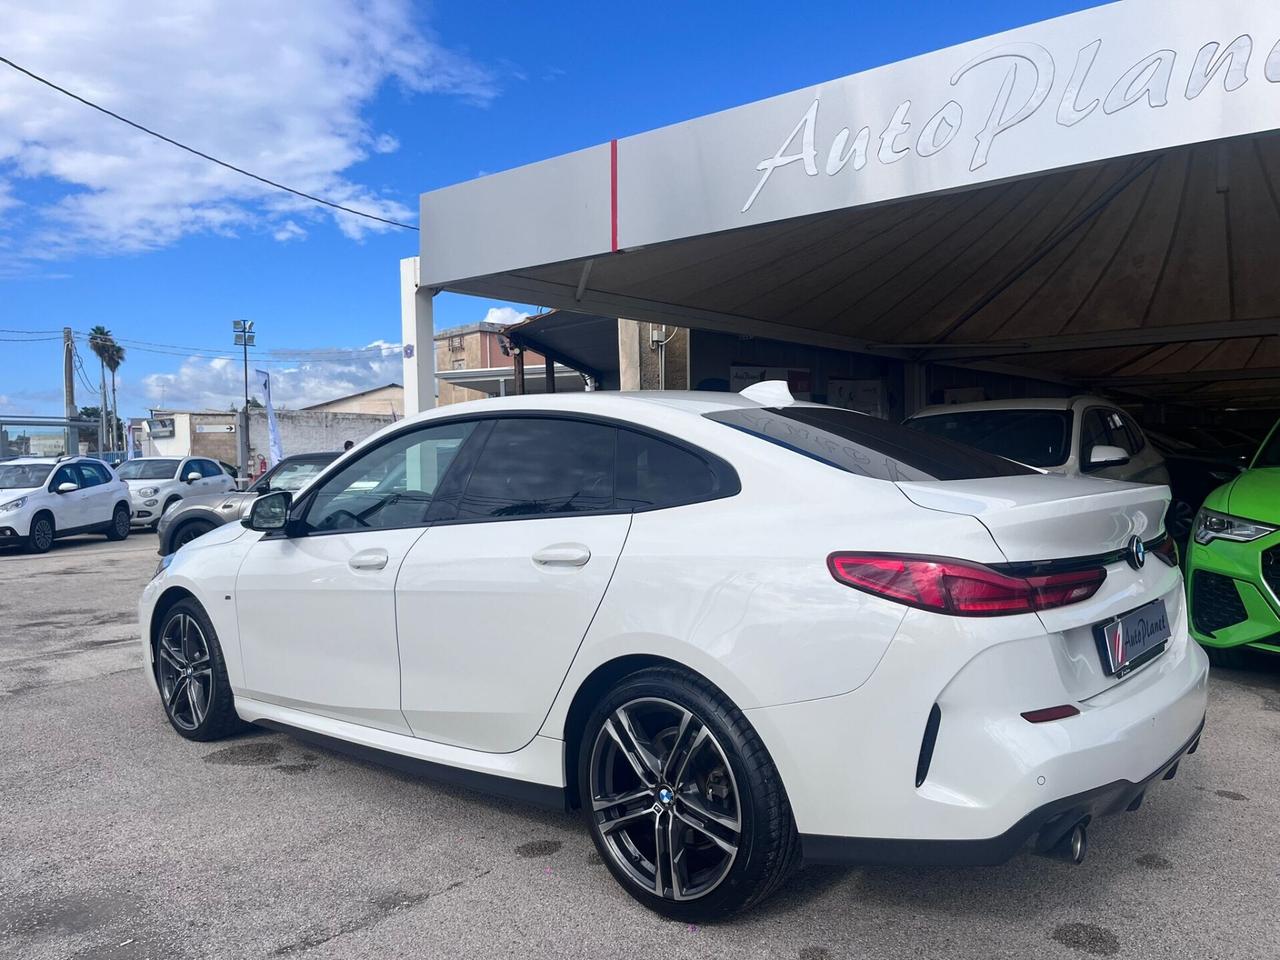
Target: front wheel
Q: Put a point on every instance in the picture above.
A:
(40, 537)
(192, 675)
(682, 800)
(188, 532)
(119, 528)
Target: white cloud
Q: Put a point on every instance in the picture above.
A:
(505, 315)
(288, 231)
(278, 88)
(216, 384)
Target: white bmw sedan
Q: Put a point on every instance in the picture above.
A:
(736, 631)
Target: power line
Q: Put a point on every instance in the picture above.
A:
(201, 154)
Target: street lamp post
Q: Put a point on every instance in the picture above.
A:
(243, 330)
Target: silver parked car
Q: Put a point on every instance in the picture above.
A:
(1076, 436)
(196, 516)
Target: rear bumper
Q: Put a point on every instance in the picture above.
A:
(1047, 824)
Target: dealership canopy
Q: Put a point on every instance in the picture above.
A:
(1094, 199)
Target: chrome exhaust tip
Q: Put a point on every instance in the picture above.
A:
(1073, 846)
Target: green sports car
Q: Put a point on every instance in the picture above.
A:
(1233, 565)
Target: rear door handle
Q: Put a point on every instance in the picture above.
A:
(374, 559)
(562, 555)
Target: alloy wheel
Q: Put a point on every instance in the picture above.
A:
(42, 535)
(664, 799)
(188, 533)
(185, 671)
(122, 523)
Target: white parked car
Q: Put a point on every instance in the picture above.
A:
(42, 499)
(1077, 436)
(157, 483)
(735, 630)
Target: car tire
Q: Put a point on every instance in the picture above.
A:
(120, 523)
(42, 533)
(191, 675)
(188, 531)
(701, 827)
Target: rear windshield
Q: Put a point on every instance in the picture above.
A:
(857, 443)
(1041, 438)
(147, 469)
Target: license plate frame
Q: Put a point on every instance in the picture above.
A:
(1133, 638)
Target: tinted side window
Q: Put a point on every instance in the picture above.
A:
(653, 473)
(209, 468)
(1102, 426)
(91, 474)
(65, 474)
(391, 485)
(533, 467)
(1136, 437)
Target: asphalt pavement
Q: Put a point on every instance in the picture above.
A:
(119, 839)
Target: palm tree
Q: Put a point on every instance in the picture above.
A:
(101, 343)
(113, 359)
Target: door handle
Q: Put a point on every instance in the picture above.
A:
(562, 555)
(368, 560)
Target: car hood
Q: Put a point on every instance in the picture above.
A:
(239, 497)
(13, 493)
(1255, 494)
(134, 484)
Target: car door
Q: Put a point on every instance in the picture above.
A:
(494, 600)
(69, 509)
(316, 608)
(99, 497)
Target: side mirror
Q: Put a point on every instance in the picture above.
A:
(1106, 456)
(270, 511)
(67, 487)
(193, 476)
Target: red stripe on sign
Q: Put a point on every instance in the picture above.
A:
(613, 194)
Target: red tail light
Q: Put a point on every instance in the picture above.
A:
(959, 588)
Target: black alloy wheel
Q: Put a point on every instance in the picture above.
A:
(120, 521)
(683, 801)
(192, 675)
(188, 532)
(40, 537)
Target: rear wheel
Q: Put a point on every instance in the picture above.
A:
(192, 675)
(119, 528)
(682, 800)
(189, 531)
(40, 537)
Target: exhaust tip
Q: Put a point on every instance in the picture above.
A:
(1073, 845)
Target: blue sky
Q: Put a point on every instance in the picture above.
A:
(452, 90)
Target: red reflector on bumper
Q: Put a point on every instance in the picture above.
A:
(1051, 713)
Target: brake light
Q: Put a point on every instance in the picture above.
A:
(959, 588)
(1166, 550)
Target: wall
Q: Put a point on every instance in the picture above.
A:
(473, 348)
(384, 400)
(311, 431)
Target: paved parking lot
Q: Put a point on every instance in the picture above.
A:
(119, 839)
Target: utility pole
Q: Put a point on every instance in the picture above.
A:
(69, 390)
(243, 330)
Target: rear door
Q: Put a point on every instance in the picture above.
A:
(495, 598)
(100, 494)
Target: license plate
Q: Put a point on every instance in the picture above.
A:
(1136, 636)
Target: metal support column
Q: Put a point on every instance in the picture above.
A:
(417, 332)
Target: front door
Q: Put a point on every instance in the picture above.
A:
(495, 598)
(317, 609)
(71, 509)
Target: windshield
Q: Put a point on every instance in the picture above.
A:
(288, 476)
(1269, 455)
(870, 447)
(1041, 438)
(15, 476)
(148, 469)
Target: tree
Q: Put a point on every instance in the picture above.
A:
(88, 413)
(115, 357)
(101, 343)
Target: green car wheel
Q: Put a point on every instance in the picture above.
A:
(1233, 562)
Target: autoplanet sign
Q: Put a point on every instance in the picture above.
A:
(1147, 82)
(1114, 81)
